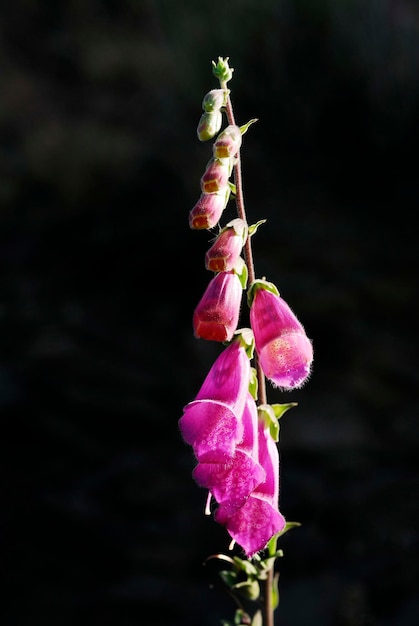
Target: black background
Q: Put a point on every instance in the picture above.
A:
(100, 521)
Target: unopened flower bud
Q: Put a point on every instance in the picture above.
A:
(214, 100)
(217, 314)
(226, 249)
(228, 142)
(209, 125)
(207, 211)
(216, 175)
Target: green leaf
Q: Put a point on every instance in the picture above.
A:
(245, 127)
(253, 228)
(280, 409)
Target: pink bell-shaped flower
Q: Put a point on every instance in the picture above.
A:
(285, 353)
(212, 424)
(232, 483)
(217, 313)
(224, 252)
(207, 211)
(216, 175)
(228, 142)
(259, 519)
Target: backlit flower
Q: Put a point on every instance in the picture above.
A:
(216, 175)
(224, 252)
(259, 519)
(283, 348)
(207, 211)
(231, 483)
(212, 424)
(228, 142)
(217, 313)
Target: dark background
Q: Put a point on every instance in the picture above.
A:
(100, 520)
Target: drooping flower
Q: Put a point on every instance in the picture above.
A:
(283, 348)
(216, 175)
(208, 210)
(217, 313)
(231, 483)
(228, 142)
(224, 252)
(259, 519)
(212, 423)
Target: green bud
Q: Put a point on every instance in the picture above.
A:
(209, 125)
(214, 100)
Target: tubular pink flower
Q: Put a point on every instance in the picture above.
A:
(284, 350)
(216, 175)
(217, 313)
(207, 211)
(212, 424)
(224, 252)
(259, 519)
(232, 483)
(228, 142)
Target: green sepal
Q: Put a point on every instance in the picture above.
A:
(247, 340)
(257, 619)
(267, 414)
(253, 228)
(228, 577)
(246, 566)
(239, 226)
(245, 127)
(260, 283)
(232, 187)
(241, 270)
(249, 589)
(275, 591)
(280, 409)
(221, 70)
(253, 382)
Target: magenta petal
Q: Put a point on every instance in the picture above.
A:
(228, 379)
(217, 314)
(212, 429)
(286, 360)
(253, 525)
(230, 484)
(284, 350)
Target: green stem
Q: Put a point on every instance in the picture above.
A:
(268, 617)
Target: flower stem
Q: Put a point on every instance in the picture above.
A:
(268, 618)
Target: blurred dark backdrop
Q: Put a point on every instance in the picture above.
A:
(100, 521)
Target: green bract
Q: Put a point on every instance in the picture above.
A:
(260, 283)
